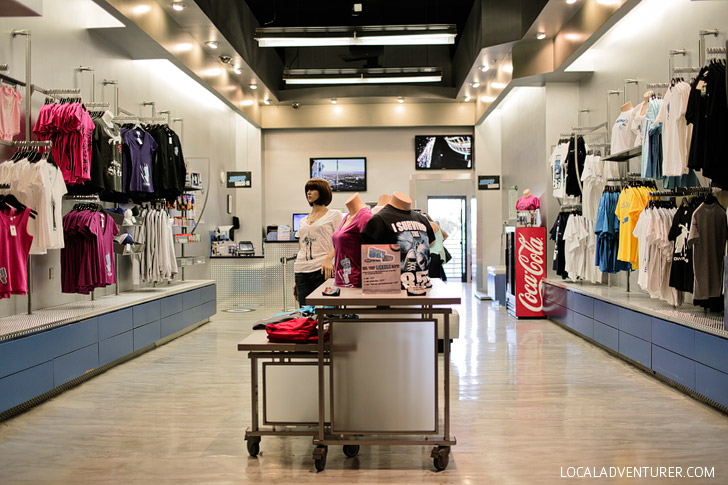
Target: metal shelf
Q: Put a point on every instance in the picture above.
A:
(625, 155)
(191, 260)
(192, 188)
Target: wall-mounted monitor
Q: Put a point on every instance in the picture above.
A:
(297, 218)
(343, 174)
(438, 152)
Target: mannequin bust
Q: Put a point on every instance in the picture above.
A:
(527, 192)
(626, 106)
(401, 201)
(527, 202)
(383, 200)
(354, 204)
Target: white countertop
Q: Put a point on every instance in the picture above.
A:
(439, 294)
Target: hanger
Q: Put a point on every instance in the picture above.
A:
(9, 200)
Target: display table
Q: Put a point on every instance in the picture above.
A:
(682, 346)
(383, 386)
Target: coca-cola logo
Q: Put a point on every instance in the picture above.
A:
(530, 258)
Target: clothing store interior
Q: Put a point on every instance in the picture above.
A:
(450, 242)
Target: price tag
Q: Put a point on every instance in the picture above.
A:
(13, 231)
(170, 140)
(139, 140)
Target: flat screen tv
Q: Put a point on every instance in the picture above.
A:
(297, 217)
(343, 174)
(438, 152)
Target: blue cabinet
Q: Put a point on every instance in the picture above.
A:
(635, 348)
(146, 334)
(24, 386)
(674, 337)
(635, 324)
(146, 312)
(114, 323)
(584, 325)
(116, 347)
(606, 313)
(673, 366)
(606, 335)
(711, 383)
(713, 351)
(583, 304)
(75, 364)
(171, 305)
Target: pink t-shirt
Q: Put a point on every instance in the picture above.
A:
(14, 252)
(347, 249)
(527, 203)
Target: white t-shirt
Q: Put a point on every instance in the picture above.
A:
(592, 186)
(558, 169)
(640, 232)
(674, 130)
(316, 241)
(623, 137)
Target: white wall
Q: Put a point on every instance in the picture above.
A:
(212, 131)
(390, 157)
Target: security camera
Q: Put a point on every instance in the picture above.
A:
(295, 105)
(226, 59)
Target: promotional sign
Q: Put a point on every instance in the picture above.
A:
(488, 182)
(530, 270)
(380, 269)
(237, 180)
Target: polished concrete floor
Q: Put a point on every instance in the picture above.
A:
(529, 400)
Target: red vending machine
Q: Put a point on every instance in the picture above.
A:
(525, 268)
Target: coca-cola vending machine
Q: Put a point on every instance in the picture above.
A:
(525, 268)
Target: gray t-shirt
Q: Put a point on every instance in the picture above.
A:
(708, 238)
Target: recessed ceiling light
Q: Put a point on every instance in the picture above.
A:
(475, 84)
(266, 101)
(184, 47)
(484, 68)
(422, 34)
(212, 44)
(215, 71)
(237, 70)
(358, 7)
(253, 86)
(247, 102)
(400, 100)
(570, 2)
(334, 101)
(508, 68)
(498, 85)
(487, 99)
(467, 98)
(609, 2)
(179, 6)
(141, 9)
(541, 35)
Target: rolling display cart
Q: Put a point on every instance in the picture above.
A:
(382, 371)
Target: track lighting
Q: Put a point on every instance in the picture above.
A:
(212, 44)
(179, 6)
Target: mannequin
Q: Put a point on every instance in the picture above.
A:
(626, 106)
(383, 200)
(527, 192)
(648, 94)
(347, 243)
(354, 204)
(528, 202)
(401, 201)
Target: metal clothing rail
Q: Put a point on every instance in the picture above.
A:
(657, 85)
(716, 50)
(11, 80)
(27, 144)
(54, 91)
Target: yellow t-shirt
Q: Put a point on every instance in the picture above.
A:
(630, 205)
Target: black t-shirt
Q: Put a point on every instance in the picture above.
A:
(716, 149)
(557, 235)
(695, 114)
(681, 272)
(413, 233)
(574, 157)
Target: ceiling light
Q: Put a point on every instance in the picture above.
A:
(215, 71)
(361, 35)
(571, 2)
(467, 98)
(184, 47)
(609, 2)
(266, 101)
(379, 75)
(541, 35)
(498, 85)
(334, 101)
(508, 68)
(179, 6)
(484, 68)
(475, 84)
(400, 100)
(253, 86)
(358, 7)
(212, 44)
(141, 9)
(237, 70)
(487, 99)
(247, 102)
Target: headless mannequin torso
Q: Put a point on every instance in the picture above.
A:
(354, 204)
(401, 201)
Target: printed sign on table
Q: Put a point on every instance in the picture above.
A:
(380, 270)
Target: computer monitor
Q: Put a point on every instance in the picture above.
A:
(297, 217)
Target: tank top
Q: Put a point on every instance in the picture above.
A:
(14, 250)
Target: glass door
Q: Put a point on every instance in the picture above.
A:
(450, 213)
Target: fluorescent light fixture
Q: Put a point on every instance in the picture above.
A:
(424, 34)
(184, 47)
(498, 85)
(541, 35)
(247, 102)
(387, 75)
(507, 67)
(400, 100)
(141, 9)
(475, 84)
(215, 71)
(571, 2)
(609, 2)
(179, 6)
(237, 70)
(466, 98)
(334, 101)
(487, 99)
(484, 68)
(212, 44)
(253, 86)
(266, 101)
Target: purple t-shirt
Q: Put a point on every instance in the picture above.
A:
(347, 249)
(141, 147)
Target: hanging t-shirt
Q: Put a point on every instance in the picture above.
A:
(674, 130)
(630, 204)
(316, 241)
(716, 165)
(14, 252)
(593, 183)
(10, 99)
(558, 169)
(139, 147)
(557, 235)
(527, 203)
(106, 157)
(413, 233)
(575, 166)
(708, 239)
(681, 272)
(347, 249)
(623, 137)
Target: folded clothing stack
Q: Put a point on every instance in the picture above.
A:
(297, 330)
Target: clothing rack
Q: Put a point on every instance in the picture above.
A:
(27, 144)
(716, 50)
(657, 85)
(53, 92)
(93, 198)
(685, 192)
(686, 70)
(11, 80)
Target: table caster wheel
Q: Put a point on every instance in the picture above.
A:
(440, 457)
(253, 444)
(319, 457)
(351, 450)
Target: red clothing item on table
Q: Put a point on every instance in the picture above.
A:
(297, 330)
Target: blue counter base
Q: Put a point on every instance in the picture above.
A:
(38, 366)
(688, 359)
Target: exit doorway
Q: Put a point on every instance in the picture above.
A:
(450, 212)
